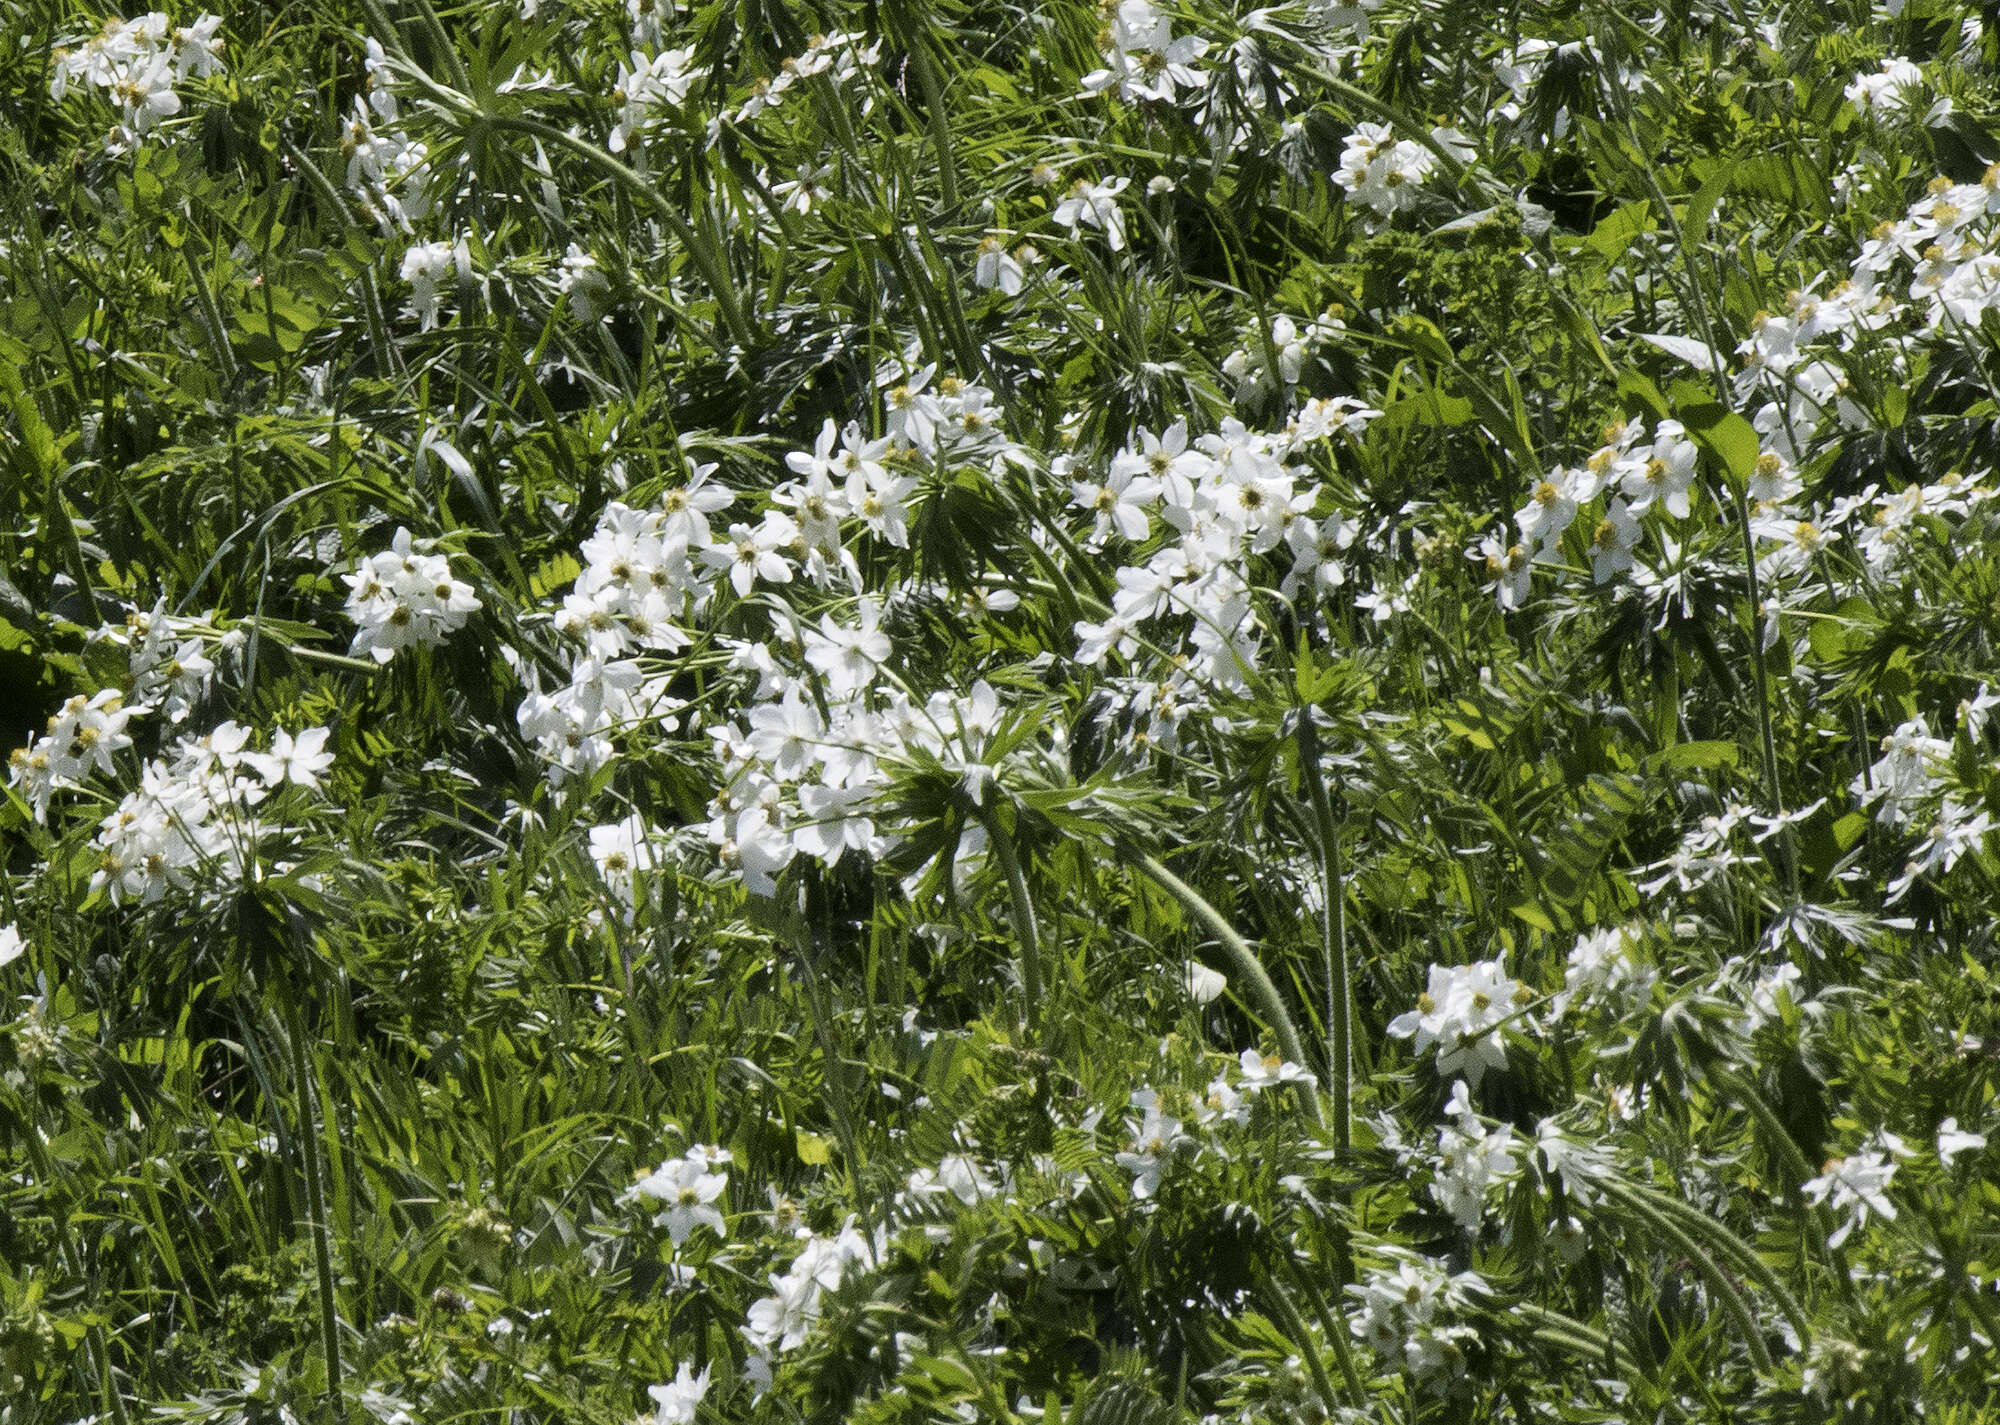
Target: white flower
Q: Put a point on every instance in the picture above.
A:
(1204, 986)
(1605, 963)
(678, 1399)
(297, 760)
(912, 411)
(688, 1188)
(1886, 92)
(1143, 60)
(1121, 502)
(1382, 171)
(997, 267)
(1612, 541)
(1095, 205)
(1400, 1311)
(402, 598)
(12, 947)
(1509, 568)
(835, 822)
(848, 657)
(621, 850)
(758, 849)
(427, 266)
(1859, 1182)
(955, 1175)
(1550, 508)
(1662, 472)
(583, 281)
(751, 553)
(1903, 776)
(785, 1318)
(1951, 1141)
(1263, 1071)
(1459, 1015)
(1469, 1160)
(1155, 1139)
(645, 86)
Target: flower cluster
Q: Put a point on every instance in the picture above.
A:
(388, 171)
(1230, 497)
(1470, 1159)
(1405, 1316)
(783, 1320)
(136, 64)
(1606, 966)
(1143, 59)
(1460, 1014)
(405, 597)
(82, 737)
(191, 820)
(1385, 174)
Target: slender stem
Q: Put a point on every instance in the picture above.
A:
(833, 1075)
(1698, 304)
(1333, 938)
(1242, 960)
(1331, 1322)
(304, 1084)
(99, 1339)
(697, 245)
(1773, 791)
(1294, 1326)
(1746, 1096)
(1022, 912)
(1718, 1280)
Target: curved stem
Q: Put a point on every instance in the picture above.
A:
(1262, 992)
(98, 1338)
(1022, 913)
(304, 1084)
(697, 244)
(1333, 938)
(1718, 1280)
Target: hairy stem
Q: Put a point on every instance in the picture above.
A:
(1242, 959)
(1021, 911)
(1333, 938)
(304, 1084)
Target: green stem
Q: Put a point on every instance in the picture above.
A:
(304, 1084)
(1746, 1095)
(697, 245)
(1333, 937)
(1333, 1324)
(1718, 1280)
(833, 1074)
(99, 1339)
(1022, 912)
(1769, 745)
(1262, 992)
(211, 314)
(1734, 1248)
(1294, 1325)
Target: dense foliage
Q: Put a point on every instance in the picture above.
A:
(939, 710)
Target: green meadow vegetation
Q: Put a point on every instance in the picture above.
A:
(957, 711)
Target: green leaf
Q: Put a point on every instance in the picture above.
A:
(1690, 755)
(1726, 436)
(1610, 238)
(1534, 915)
(1701, 207)
(1634, 389)
(1432, 408)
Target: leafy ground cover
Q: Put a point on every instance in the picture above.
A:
(950, 711)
